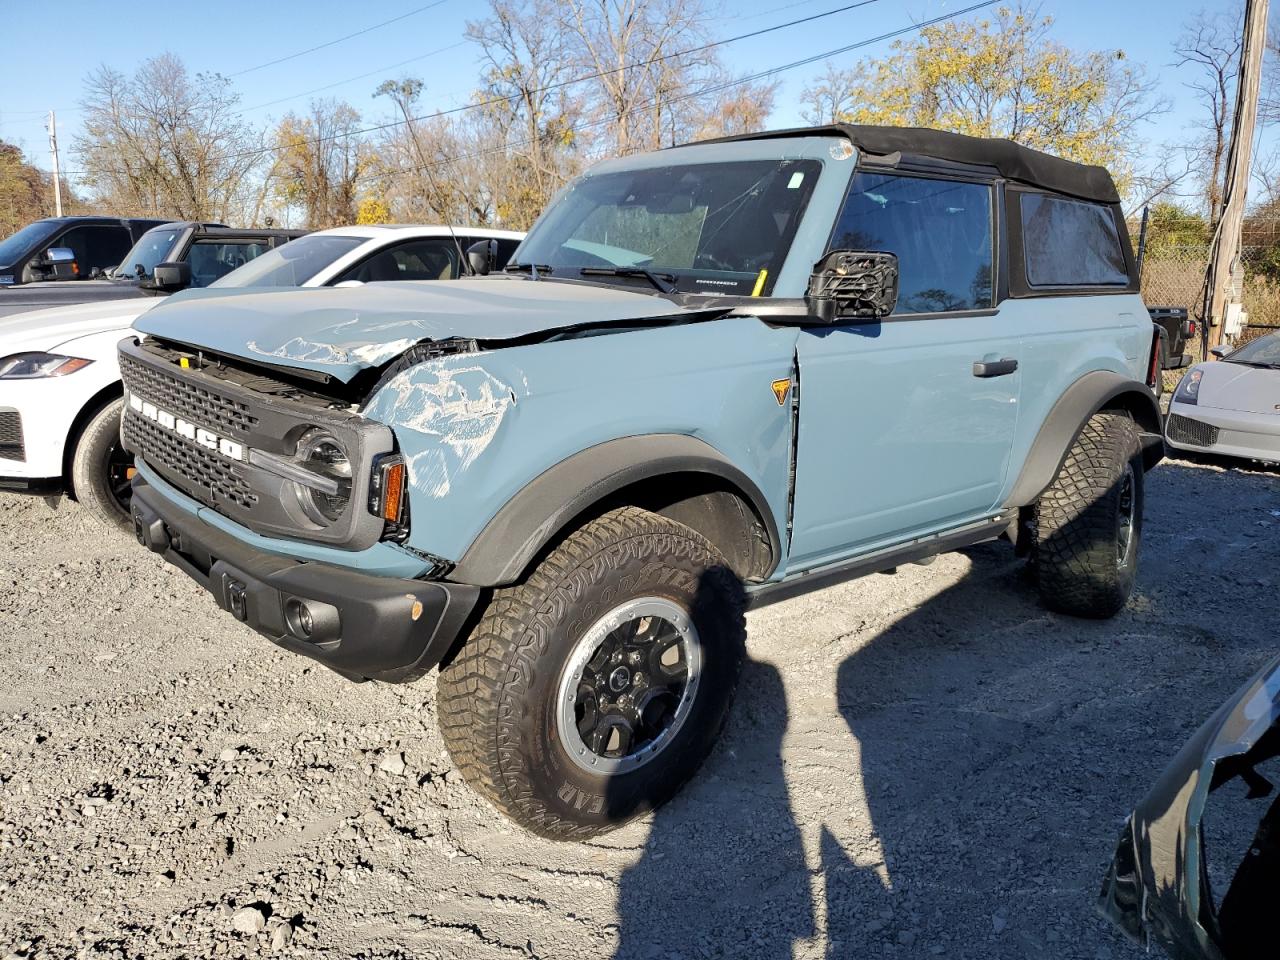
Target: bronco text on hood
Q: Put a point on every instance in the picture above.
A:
(712, 376)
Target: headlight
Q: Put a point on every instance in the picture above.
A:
(326, 499)
(33, 366)
(1189, 388)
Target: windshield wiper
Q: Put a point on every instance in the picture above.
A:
(663, 282)
(533, 269)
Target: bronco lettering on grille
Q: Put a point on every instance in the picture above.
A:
(186, 429)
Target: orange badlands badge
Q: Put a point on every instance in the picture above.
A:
(780, 390)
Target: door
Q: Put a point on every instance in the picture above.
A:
(906, 425)
(96, 246)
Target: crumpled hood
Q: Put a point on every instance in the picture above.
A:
(46, 329)
(1235, 386)
(343, 330)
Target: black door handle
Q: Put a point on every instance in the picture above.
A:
(994, 368)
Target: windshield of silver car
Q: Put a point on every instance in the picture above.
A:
(1262, 352)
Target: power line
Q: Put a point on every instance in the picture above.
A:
(837, 51)
(371, 73)
(315, 141)
(716, 88)
(330, 43)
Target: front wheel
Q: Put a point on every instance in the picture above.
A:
(1087, 526)
(590, 693)
(101, 469)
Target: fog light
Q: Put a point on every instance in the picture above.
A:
(301, 622)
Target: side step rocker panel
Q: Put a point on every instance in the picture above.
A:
(886, 559)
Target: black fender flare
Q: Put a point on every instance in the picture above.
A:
(1098, 390)
(543, 507)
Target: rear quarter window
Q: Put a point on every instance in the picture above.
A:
(1070, 243)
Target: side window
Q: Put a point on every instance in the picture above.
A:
(434, 258)
(1070, 243)
(101, 247)
(213, 259)
(940, 231)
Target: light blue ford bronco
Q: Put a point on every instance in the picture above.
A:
(711, 377)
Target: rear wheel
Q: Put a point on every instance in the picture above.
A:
(590, 693)
(101, 469)
(1088, 524)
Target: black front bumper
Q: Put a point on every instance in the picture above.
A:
(36, 487)
(361, 626)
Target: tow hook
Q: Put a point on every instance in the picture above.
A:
(237, 601)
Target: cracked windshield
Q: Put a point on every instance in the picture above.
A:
(713, 228)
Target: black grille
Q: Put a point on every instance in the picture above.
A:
(11, 445)
(1195, 432)
(202, 473)
(187, 400)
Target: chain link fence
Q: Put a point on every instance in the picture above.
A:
(1173, 276)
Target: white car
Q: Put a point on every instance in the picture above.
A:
(1230, 407)
(60, 382)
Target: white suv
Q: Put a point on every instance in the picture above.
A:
(60, 382)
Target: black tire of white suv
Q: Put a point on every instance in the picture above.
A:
(589, 693)
(1087, 526)
(99, 468)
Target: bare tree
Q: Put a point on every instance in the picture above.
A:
(164, 143)
(420, 163)
(830, 98)
(1210, 46)
(318, 162)
(527, 102)
(648, 61)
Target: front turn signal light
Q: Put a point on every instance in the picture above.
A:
(386, 488)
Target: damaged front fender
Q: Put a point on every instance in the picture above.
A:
(456, 409)
(1158, 888)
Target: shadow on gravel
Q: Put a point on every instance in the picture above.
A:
(723, 871)
(1000, 746)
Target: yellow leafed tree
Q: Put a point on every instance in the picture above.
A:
(373, 210)
(999, 77)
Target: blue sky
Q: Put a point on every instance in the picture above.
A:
(235, 35)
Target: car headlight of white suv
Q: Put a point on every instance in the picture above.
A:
(36, 366)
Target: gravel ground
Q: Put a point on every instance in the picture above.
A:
(925, 764)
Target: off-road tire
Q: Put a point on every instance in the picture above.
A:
(1077, 523)
(90, 480)
(497, 697)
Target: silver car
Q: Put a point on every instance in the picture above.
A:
(1230, 407)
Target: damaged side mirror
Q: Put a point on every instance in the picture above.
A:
(482, 257)
(853, 285)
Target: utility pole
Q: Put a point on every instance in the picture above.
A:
(57, 178)
(1226, 245)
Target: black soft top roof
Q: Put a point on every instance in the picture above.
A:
(1012, 160)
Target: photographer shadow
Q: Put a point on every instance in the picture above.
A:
(723, 872)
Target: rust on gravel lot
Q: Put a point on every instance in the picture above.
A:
(926, 764)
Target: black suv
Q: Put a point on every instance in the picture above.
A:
(165, 259)
(96, 243)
